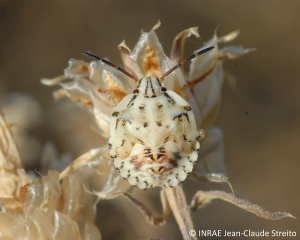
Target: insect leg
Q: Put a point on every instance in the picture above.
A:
(156, 221)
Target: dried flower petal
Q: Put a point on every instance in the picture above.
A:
(50, 211)
(178, 44)
(9, 162)
(42, 208)
(211, 154)
(234, 52)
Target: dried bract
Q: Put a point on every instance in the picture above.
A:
(43, 208)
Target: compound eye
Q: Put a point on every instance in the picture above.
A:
(136, 91)
(163, 89)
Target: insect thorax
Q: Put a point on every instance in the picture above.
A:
(153, 136)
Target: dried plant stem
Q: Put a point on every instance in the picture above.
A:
(180, 209)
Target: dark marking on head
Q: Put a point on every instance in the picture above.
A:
(160, 106)
(184, 138)
(152, 88)
(146, 91)
(109, 145)
(142, 107)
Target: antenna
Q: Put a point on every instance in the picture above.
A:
(110, 64)
(184, 61)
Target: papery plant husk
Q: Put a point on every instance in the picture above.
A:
(43, 208)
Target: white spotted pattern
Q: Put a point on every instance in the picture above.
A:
(153, 136)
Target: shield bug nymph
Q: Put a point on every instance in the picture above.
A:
(154, 139)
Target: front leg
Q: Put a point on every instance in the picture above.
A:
(156, 221)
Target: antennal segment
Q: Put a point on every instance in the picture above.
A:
(110, 64)
(184, 61)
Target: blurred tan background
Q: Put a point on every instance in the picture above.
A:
(260, 119)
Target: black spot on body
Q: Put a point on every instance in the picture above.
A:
(146, 124)
(180, 117)
(177, 156)
(115, 114)
(173, 162)
(159, 123)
